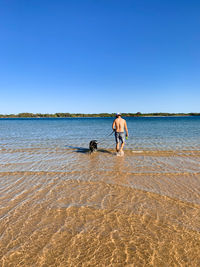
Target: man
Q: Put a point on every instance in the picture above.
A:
(118, 126)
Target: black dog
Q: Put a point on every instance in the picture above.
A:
(93, 145)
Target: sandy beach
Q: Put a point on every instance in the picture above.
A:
(76, 209)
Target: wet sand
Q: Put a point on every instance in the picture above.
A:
(67, 207)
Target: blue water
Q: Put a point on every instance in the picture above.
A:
(146, 133)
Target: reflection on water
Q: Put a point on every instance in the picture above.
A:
(63, 206)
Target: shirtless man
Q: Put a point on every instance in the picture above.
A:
(118, 126)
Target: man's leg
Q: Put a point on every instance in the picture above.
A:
(122, 146)
(122, 139)
(117, 141)
(117, 147)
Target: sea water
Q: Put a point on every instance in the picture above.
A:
(63, 206)
(145, 133)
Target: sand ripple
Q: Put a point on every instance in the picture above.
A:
(65, 207)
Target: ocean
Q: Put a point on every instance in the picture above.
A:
(62, 206)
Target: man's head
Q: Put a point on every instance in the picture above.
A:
(118, 114)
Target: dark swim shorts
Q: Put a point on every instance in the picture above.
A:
(119, 136)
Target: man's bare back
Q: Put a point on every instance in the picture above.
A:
(119, 124)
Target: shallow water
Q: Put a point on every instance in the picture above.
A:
(62, 206)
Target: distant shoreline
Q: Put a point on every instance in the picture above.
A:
(95, 115)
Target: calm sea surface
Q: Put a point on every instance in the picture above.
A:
(62, 206)
(162, 133)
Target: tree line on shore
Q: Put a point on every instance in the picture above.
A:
(95, 115)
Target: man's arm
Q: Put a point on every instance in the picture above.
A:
(126, 128)
(113, 125)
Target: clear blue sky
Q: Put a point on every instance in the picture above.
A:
(93, 56)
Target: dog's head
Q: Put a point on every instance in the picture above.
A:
(93, 145)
